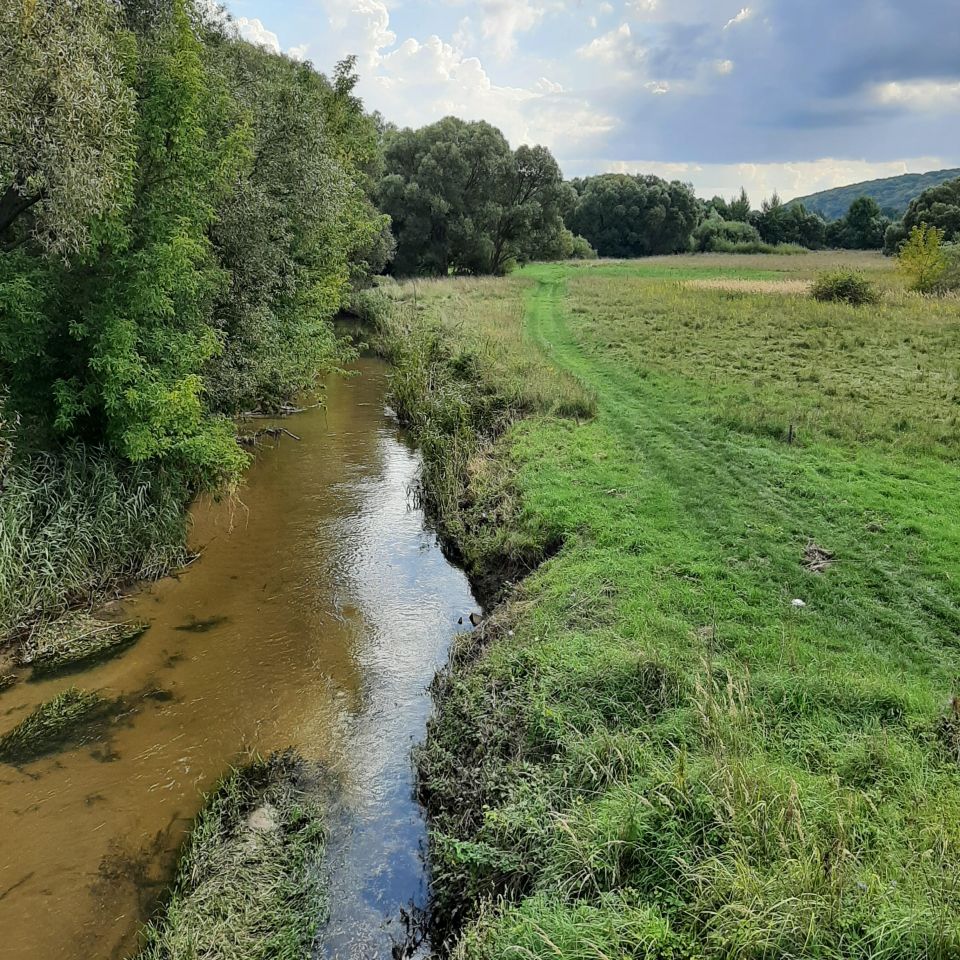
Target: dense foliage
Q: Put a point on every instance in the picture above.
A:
(893, 194)
(937, 207)
(180, 233)
(462, 201)
(777, 223)
(737, 209)
(863, 227)
(181, 217)
(715, 234)
(634, 216)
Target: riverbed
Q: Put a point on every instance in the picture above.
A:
(317, 612)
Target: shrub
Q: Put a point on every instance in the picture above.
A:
(714, 231)
(582, 249)
(844, 286)
(951, 277)
(922, 259)
(757, 246)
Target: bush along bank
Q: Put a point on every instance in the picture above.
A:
(649, 749)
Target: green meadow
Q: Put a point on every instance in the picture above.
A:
(716, 714)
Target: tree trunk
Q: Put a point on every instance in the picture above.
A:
(14, 204)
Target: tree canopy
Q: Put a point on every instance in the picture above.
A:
(183, 215)
(779, 223)
(862, 228)
(634, 216)
(937, 207)
(66, 119)
(461, 200)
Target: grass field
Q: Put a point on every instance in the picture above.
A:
(653, 749)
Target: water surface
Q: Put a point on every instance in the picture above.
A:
(319, 610)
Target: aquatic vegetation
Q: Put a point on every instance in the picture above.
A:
(74, 642)
(249, 884)
(57, 723)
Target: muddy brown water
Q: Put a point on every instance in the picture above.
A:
(315, 618)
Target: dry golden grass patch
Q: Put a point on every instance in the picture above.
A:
(798, 287)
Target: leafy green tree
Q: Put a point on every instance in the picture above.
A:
(66, 120)
(293, 230)
(862, 228)
(460, 199)
(634, 216)
(739, 209)
(937, 207)
(922, 259)
(111, 350)
(779, 223)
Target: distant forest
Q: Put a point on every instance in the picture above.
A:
(893, 194)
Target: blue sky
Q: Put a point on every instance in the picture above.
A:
(792, 95)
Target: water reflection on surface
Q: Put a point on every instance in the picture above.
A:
(316, 616)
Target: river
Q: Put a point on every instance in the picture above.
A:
(315, 617)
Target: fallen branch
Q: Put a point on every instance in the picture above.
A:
(275, 433)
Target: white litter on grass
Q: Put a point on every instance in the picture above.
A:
(798, 604)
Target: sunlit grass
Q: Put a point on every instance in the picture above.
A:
(653, 750)
(75, 524)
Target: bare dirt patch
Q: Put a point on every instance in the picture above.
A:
(816, 559)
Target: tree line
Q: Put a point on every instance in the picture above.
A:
(181, 216)
(461, 201)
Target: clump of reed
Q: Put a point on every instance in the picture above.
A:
(76, 641)
(249, 885)
(75, 524)
(61, 721)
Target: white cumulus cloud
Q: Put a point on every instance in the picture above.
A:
(609, 47)
(255, 32)
(503, 20)
(927, 95)
(764, 179)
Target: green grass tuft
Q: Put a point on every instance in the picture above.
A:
(249, 885)
(55, 724)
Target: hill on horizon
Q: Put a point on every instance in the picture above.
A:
(892, 193)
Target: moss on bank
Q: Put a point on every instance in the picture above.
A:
(249, 885)
(650, 750)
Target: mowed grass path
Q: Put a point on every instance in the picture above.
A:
(668, 757)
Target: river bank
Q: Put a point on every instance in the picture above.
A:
(716, 718)
(317, 614)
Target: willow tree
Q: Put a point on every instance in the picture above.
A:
(462, 200)
(66, 120)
